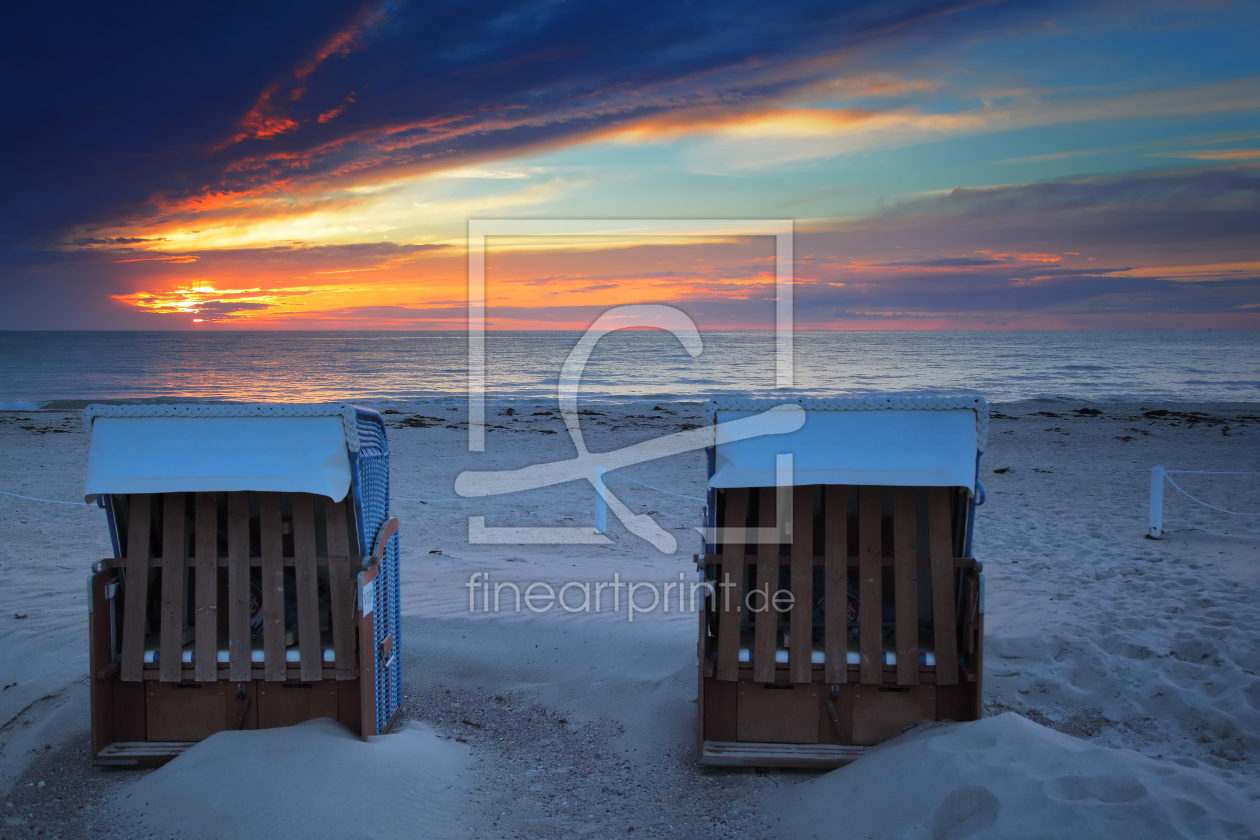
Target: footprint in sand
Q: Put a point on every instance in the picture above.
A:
(965, 812)
(1099, 788)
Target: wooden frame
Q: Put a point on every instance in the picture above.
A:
(295, 552)
(807, 684)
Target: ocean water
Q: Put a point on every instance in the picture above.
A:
(70, 369)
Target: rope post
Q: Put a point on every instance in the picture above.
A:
(601, 502)
(1157, 502)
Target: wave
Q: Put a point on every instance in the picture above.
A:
(66, 371)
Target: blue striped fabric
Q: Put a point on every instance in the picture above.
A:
(371, 491)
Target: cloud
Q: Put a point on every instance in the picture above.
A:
(779, 138)
(132, 114)
(117, 240)
(1056, 156)
(1213, 154)
(1152, 206)
(267, 118)
(1161, 243)
(944, 262)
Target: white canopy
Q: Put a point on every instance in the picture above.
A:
(183, 453)
(914, 442)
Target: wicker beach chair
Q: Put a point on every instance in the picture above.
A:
(254, 581)
(884, 626)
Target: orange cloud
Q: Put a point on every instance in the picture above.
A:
(1041, 258)
(329, 116)
(1213, 154)
(744, 121)
(525, 289)
(266, 119)
(349, 39)
(263, 120)
(173, 258)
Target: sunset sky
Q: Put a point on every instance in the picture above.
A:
(966, 165)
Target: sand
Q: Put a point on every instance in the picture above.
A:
(1130, 660)
(1006, 776)
(234, 784)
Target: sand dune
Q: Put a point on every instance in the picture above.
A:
(232, 783)
(1006, 776)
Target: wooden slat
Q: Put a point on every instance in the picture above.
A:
(238, 586)
(835, 558)
(886, 562)
(367, 660)
(101, 664)
(970, 594)
(148, 753)
(766, 622)
(137, 590)
(815, 756)
(307, 585)
(731, 588)
(906, 585)
(171, 641)
(976, 672)
(206, 616)
(927, 673)
(292, 674)
(700, 674)
(341, 588)
(940, 546)
(272, 586)
(870, 576)
(799, 657)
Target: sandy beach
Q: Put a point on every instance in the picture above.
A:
(1121, 687)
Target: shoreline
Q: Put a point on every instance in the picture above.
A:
(461, 401)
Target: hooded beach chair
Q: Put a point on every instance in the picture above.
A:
(254, 581)
(884, 625)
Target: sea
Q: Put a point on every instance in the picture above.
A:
(67, 370)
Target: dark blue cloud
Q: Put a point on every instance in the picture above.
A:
(1156, 191)
(1168, 218)
(945, 262)
(105, 103)
(109, 105)
(1058, 290)
(1178, 213)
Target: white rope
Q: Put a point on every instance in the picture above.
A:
(470, 498)
(1200, 501)
(33, 499)
(488, 496)
(527, 489)
(657, 489)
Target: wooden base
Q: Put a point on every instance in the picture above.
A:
(813, 756)
(140, 753)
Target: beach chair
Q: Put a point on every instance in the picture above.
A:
(884, 626)
(254, 581)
